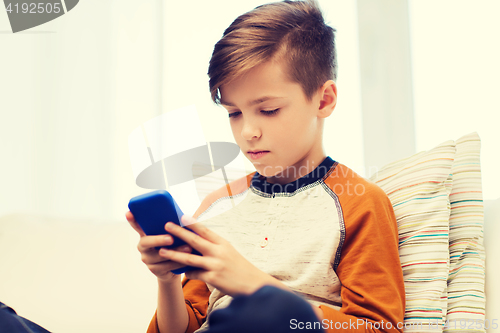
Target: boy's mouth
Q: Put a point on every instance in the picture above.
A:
(257, 151)
(255, 154)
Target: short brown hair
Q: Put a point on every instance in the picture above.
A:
(292, 30)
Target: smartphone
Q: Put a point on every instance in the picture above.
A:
(152, 211)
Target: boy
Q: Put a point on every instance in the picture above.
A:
(302, 222)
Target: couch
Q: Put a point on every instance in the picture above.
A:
(87, 276)
(76, 276)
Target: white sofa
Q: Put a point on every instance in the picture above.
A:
(492, 249)
(87, 276)
(75, 276)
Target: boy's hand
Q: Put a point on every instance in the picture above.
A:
(221, 265)
(159, 266)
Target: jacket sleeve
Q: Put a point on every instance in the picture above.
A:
(369, 270)
(196, 296)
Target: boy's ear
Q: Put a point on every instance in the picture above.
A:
(327, 98)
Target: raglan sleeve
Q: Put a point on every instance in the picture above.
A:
(196, 296)
(369, 270)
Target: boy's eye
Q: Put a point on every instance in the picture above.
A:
(271, 112)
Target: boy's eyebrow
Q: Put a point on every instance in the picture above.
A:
(254, 102)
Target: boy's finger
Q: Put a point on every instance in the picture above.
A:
(150, 242)
(154, 257)
(187, 259)
(164, 267)
(195, 241)
(134, 224)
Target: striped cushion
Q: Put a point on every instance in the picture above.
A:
(419, 187)
(466, 300)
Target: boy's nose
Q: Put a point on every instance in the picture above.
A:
(250, 131)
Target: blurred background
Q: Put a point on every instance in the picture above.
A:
(412, 74)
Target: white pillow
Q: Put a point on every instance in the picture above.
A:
(466, 299)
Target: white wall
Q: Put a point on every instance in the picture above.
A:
(386, 82)
(456, 71)
(71, 92)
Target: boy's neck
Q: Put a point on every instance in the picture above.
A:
(292, 173)
(261, 184)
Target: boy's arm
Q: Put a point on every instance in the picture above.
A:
(369, 269)
(195, 292)
(174, 317)
(196, 296)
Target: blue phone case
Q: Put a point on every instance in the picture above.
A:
(152, 211)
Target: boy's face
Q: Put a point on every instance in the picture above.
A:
(291, 135)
